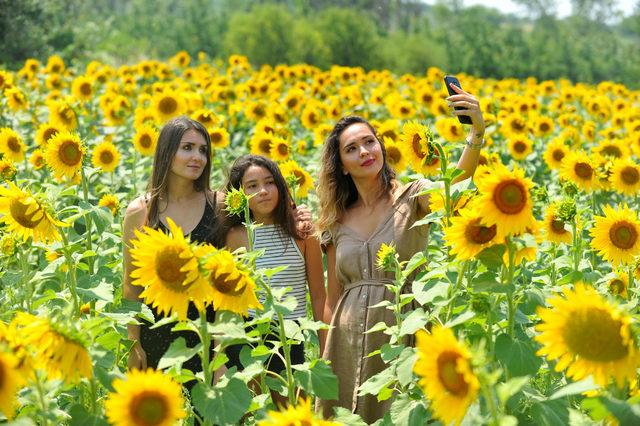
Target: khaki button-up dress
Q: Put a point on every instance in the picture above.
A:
(363, 285)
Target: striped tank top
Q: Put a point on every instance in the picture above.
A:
(282, 250)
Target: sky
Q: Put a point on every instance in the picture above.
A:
(563, 6)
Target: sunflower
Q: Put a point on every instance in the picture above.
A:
(387, 257)
(505, 201)
(64, 154)
(180, 59)
(612, 148)
(62, 114)
(236, 201)
(145, 140)
(10, 383)
(439, 107)
(82, 88)
(588, 336)
(168, 270)
(520, 147)
(26, 216)
(577, 167)
(59, 352)
(543, 126)
(446, 375)
(55, 64)
(219, 137)
(280, 149)
(514, 124)
(7, 170)
(304, 180)
(293, 99)
(619, 284)
(144, 116)
(402, 109)
(261, 143)
(256, 110)
(554, 227)
(388, 129)
(311, 116)
(417, 141)
(301, 414)
(554, 153)
(168, 104)
(111, 202)
(320, 133)
(11, 145)
(16, 99)
(105, 156)
(395, 155)
(206, 117)
(625, 176)
(145, 398)
(467, 236)
(616, 235)
(450, 129)
(233, 288)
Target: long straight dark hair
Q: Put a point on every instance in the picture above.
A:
(166, 148)
(283, 214)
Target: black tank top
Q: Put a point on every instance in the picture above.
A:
(156, 341)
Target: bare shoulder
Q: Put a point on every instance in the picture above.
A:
(136, 212)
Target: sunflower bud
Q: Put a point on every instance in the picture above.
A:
(387, 257)
(569, 188)
(567, 210)
(236, 201)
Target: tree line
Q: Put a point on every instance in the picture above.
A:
(593, 44)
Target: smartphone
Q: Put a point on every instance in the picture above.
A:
(448, 79)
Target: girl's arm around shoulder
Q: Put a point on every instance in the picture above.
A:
(333, 291)
(315, 275)
(236, 238)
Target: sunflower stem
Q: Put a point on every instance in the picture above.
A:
(42, 399)
(491, 404)
(291, 389)
(631, 276)
(26, 283)
(88, 220)
(71, 273)
(454, 290)
(576, 248)
(206, 343)
(510, 287)
(134, 178)
(553, 264)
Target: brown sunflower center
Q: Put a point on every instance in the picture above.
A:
(544, 127)
(630, 175)
(145, 141)
(283, 149)
(557, 226)
(394, 155)
(49, 133)
(519, 147)
(417, 149)
(612, 151)
(85, 89)
(18, 211)
(518, 125)
(558, 154)
(264, 145)
(216, 137)
(616, 286)
(106, 157)
(226, 285)
(389, 134)
(168, 105)
(510, 196)
(292, 102)
(13, 144)
(259, 111)
(149, 408)
(69, 153)
(479, 234)
(583, 170)
(591, 333)
(404, 110)
(623, 235)
(451, 379)
(168, 265)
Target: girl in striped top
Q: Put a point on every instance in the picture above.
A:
(271, 205)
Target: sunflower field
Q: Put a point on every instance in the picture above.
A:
(527, 291)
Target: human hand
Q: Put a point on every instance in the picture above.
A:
(304, 224)
(471, 108)
(137, 358)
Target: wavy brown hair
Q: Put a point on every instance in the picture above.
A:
(166, 148)
(336, 191)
